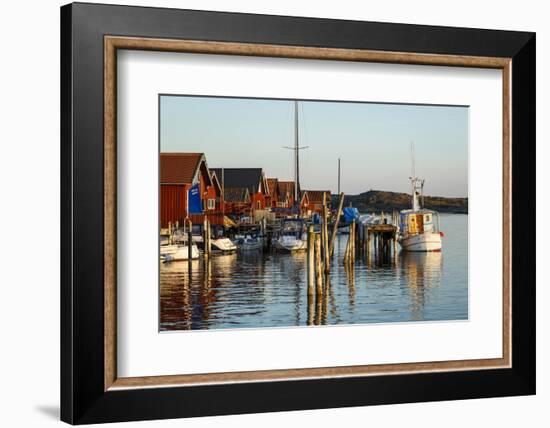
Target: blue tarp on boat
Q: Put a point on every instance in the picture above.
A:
(350, 214)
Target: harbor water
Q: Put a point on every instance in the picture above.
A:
(266, 290)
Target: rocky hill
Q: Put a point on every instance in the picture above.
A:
(377, 200)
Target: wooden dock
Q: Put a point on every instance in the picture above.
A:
(380, 239)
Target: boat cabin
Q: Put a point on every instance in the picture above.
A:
(417, 222)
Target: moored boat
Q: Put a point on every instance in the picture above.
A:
(293, 236)
(176, 252)
(249, 243)
(419, 227)
(223, 244)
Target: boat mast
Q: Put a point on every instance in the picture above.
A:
(296, 149)
(296, 158)
(338, 175)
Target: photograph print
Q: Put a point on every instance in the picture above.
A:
(278, 213)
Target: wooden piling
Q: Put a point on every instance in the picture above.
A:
(318, 264)
(364, 244)
(190, 247)
(209, 238)
(335, 227)
(325, 242)
(352, 240)
(205, 237)
(310, 310)
(368, 253)
(348, 248)
(310, 261)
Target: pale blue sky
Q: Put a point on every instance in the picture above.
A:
(373, 141)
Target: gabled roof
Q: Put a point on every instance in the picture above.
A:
(215, 181)
(240, 177)
(180, 168)
(272, 185)
(316, 196)
(286, 189)
(236, 194)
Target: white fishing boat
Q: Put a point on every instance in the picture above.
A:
(419, 227)
(293, 236)
(176, 252)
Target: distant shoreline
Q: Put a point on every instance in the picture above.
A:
(378, 200)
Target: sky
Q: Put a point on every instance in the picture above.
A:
(372, 140)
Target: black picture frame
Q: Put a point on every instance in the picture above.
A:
(83, 399)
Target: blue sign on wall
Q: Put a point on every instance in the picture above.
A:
(194, 200)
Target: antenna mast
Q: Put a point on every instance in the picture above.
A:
(417, 184)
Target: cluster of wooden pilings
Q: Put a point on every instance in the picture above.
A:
(207, 241)
(320, 249)
(372, 240)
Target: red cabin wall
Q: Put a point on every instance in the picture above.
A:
(173, 204)
(258, 197)
(211, 194)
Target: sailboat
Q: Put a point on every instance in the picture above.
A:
(292, 236)
(418, 226)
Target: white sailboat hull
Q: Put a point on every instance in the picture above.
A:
(427, 241)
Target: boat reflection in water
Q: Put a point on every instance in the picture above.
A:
(269, 289)
(423, 271)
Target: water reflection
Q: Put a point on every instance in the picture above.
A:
(247, 290)
(422, 271)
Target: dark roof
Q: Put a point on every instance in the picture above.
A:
(179, 168)
(236, 194)
(239, 177)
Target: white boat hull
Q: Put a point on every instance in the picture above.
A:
(170, 253)
(223, 244)
(427, 241)
(286, 243)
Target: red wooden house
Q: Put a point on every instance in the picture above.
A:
(273, 187)
(178, 173)
(237, 201)
(286, 194)
(315, 200)
(252, 179)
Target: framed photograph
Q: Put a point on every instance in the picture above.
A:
(266, 213)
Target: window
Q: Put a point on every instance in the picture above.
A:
(258, 205)
(428, 218)
(211, 204)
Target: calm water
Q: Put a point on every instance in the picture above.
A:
(254, 290)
